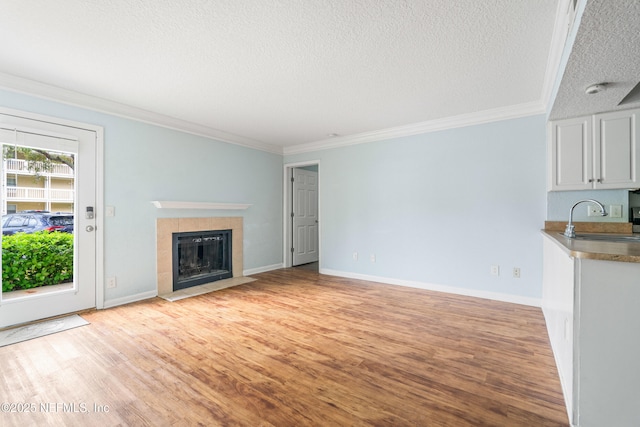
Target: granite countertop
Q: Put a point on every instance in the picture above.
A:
(596, 249)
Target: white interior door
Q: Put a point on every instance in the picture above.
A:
(305, 216)
(40, 133)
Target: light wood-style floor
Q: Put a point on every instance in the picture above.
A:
(293, 348)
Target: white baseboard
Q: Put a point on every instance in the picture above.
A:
(263, 269)
(131, 298)
(497, 296)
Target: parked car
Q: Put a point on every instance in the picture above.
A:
(32, 221)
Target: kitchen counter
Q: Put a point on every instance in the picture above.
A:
(596, 249)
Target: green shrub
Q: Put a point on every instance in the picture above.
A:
(38, 259)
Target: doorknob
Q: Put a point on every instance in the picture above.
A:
(90, 228)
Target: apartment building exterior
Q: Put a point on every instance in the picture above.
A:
(47, 190)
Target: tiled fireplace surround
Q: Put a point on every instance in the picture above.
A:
(165, 227)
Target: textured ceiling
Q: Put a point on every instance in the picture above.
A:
(607, 49)
(286, 72)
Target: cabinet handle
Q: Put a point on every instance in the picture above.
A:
(599, 180)
(590, 179)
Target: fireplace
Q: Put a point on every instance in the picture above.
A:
(167, 227)
(201, 257)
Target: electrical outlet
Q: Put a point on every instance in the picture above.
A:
(373, 258)
(615, 211)
(516, 272)
(111, 282)
(355, 256)
(495, 270)
(593, 210)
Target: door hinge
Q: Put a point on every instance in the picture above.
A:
(292, 214)
(292, 179)
(291, 250)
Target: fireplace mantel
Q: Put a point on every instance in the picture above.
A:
(164, 204)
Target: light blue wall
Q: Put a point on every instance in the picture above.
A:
(143, 162)
(560, 202)
(439, 208)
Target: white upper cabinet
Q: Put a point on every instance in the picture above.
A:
(616, 149)
(571, 154)
(595, 152)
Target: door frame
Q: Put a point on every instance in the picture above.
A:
(99, 170)
(286, 210)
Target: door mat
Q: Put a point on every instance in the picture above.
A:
(35, 330)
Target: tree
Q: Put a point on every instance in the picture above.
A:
(38, 161)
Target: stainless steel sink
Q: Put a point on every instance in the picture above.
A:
(608, 237)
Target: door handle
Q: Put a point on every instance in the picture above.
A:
(90, 228)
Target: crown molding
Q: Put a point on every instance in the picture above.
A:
(76, 99)
(487, 116)
(564, 31)
(57, 94)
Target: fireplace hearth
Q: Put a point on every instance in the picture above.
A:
(201, 257)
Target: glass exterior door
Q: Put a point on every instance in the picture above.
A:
(48, 223)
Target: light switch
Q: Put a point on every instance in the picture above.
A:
(110, 211)
(615, 211)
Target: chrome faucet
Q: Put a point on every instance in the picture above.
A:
(570, 230)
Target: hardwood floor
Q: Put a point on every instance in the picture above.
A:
(293, 348)
(312, 266)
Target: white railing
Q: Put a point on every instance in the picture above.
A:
(22, 166)
(38, 194)
(57, 195)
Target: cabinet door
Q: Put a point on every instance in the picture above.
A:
(571, 154)
(616, 150)
(558, 278)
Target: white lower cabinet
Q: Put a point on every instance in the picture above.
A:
(592, 311)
